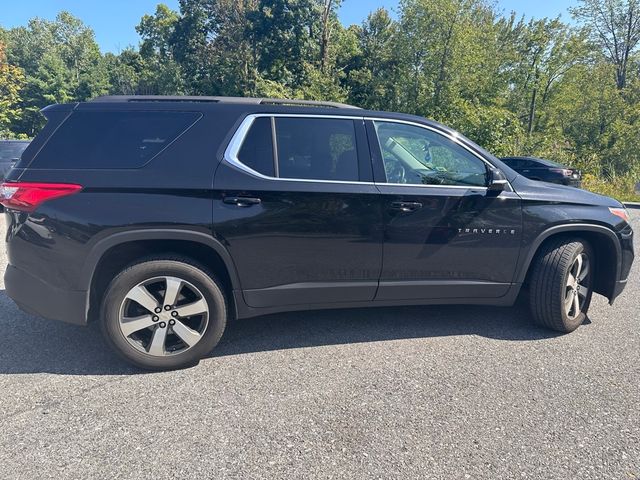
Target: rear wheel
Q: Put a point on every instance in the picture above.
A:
(561, 285)
(164, 313)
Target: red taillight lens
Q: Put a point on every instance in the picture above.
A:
(26, 196)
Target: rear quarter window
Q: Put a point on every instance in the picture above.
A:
(112, 140)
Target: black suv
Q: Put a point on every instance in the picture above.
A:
(545, 170)
(164, 217)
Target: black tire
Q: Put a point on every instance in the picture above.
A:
(185, 269)
(549, 291)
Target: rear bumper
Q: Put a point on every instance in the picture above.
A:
(572, 182)
(36, 297)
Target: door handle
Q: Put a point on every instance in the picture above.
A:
(242, 201)
(406, 206)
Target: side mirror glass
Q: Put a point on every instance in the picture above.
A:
(497, 181)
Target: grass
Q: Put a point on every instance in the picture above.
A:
(621, 188)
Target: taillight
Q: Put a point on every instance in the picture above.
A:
(27, 196)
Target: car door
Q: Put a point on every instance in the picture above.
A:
(296, 206)
(446, 235)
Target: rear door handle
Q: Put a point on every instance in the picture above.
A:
(242, 201)
(406, 206)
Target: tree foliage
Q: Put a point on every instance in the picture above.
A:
(539, 87)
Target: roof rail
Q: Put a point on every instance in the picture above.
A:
(239, 100)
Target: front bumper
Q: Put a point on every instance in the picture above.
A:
(36, 297)
(617, 290)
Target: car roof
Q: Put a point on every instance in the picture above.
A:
(543, 161)
(239, 105)
(214, 100)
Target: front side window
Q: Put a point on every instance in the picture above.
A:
(316, 148)
(418, 156)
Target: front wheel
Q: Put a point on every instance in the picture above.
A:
(164, 313)
(561, 284)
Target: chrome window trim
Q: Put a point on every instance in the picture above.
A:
(232, 150)
(231, 153)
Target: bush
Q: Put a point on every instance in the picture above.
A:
(620, 187)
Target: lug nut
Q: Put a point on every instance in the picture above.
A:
(174, 314)
(172, 322)
(167, 307)
(163, 325)
(155, 318)
(158, 310)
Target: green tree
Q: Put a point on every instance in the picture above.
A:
(61, 62)
(615, 26)
(11, 83)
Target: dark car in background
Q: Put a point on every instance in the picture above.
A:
(10, 151)
(545, 170)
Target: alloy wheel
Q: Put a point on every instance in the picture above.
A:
(163, 316)
(576, 290)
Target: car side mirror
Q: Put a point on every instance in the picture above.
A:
(497, 181)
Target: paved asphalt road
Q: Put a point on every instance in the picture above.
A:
(429, 392)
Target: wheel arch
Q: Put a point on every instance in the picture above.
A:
(110, 255)
(604, 242)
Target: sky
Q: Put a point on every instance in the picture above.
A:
(114, 20)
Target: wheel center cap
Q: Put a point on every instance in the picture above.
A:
(165, 316)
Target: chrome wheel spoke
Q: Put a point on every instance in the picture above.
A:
(578, 268)
(174, 285)
(195, 308)
(132, 325)
(188, 336)
(156, 347)
(576, 304)
(582, 291)
(142, 297)
(585, 271)
(568, 301)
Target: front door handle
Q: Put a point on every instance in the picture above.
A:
(242, 201)
(406, 206)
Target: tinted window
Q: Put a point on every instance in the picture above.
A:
(548, 163)
(257, 148)
(112, 139)
(415, 155)
(513, 162)
(317, 148)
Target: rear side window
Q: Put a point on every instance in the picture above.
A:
(317, 149)
(102, 140)
(257, 149)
